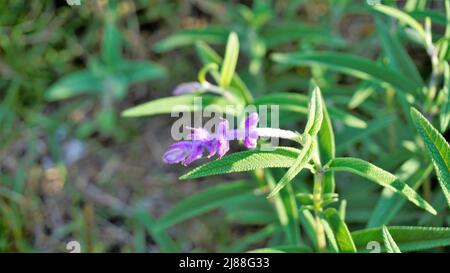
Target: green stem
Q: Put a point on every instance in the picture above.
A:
(317, 199)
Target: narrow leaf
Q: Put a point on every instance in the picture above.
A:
(402, 17)
(407, 238)
(396, 53)
(75, 84)
(389, 243)
(350, 64)
(303, 158)
(438, 149)
(230, 60)
(210, 34)
(327, 149)
(189, 103)
(315, 113)
(281, 157)
(379, 176)
(340, 230)
(204, 201)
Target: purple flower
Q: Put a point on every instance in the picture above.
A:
(187, 88)
(200, 140)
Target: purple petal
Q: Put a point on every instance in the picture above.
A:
(222, 128)
(251, 137)
(199, 134)
(251, 121)
(187, 88)
(177, 152)
(212, 149)
(196, 153)
(222, 144)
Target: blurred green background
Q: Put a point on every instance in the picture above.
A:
(71, 168)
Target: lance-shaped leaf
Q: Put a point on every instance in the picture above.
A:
(204, 201)
(210, 34)
(303, 158)
(444, 116)
(396, 53)
(315, 113)
(390, 203)
(407, 238)
(176, 104)
(438, 149)
(208, 55)
(402, 17)
(74, 84)
(379, 176)
(230, 60)
(350, 64)
(162, 239)
(298, 103)
(281, 157)
(340, 230)
(326, 143)
(389, 243)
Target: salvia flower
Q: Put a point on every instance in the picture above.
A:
(201, 141)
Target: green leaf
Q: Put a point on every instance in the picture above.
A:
(390, 202)
(379, 176)
(402, 17)
(315, 113)
(139, 71)
(210, 34)
(281, 157)
(253, 238)
(340, 230)
(297, 166)
(298, 103)
(74, 84)
(280, 33)
(407, 238)
(286, 209)
(353, 135)
(332, 243)
(350, 64)
(435, 16)
(360, 96)
(203, 201)
(438, 149)
(396, 53)
(112, 42)
(189, 103)
(230, 60)
(309, 224)
(208, 55)
(161, 238)
(444, 116)
(389, 243)
(327, 149)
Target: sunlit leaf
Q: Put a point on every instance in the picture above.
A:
(438, 149)
(379, 176)
(389, 243)
(281, 157)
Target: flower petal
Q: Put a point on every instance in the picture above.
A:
(187, 88)
(177, 152)
(196, 153)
